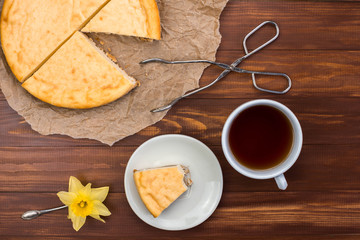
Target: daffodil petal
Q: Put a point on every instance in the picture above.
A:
(78, 222)
(100, 208)
(97, 217)
(86, 191)
(99, 193)
(71, 214)
(75, 185)
(66, 197)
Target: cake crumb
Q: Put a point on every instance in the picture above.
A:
(146, 39)
(111, 57)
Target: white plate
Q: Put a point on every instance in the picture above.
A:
(195, 205)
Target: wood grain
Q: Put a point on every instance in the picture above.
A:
(324, 121)
(318, 47)
(40, 169)
(303, 25)
(313, 72)
(239, 214)
(239, 236)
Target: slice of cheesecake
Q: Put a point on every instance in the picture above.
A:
(79, 76)
(160, 187)
(139, 18)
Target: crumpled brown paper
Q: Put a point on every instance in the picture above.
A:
(190, 30)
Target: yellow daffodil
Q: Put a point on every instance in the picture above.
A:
(84, 201)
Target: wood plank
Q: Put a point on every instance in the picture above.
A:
(320, 72)
(303, 25)
(239, 214)
(253, 237)
(48, 169)
(324, 121)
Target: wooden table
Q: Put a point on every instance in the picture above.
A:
(319, 47)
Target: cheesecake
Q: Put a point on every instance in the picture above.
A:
(160, 187)
(58, 64)
(79, 76)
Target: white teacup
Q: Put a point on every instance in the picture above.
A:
(277, 171)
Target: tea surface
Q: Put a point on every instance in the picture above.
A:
(261, 137)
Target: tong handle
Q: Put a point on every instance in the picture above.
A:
(248, 54)
(270, 74)
(253, 73)
(160, 60)
(222, 75)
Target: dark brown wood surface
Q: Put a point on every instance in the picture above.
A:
(319, 47)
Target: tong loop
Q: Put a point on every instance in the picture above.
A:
(265, 44)
(253, 73)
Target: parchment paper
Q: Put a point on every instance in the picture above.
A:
(190, 30)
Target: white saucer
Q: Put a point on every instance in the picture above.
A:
(195, 205)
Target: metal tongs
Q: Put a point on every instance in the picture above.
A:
(229, 68)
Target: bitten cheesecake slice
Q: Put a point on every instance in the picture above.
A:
(79, 76)
(160, 187)
(139, 18)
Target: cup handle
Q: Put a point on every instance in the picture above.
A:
(281, 182)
